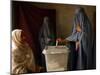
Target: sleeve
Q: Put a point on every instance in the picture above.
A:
(30, 60)
(73, 37)
(18, 62)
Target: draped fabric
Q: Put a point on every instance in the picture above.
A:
(28, 17)
(43, 38)
(22, 56)
(85, 38)
(44, 33)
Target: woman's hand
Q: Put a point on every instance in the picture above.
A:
(77, 45)
(59, 39)
(62, 41)
(78, 28)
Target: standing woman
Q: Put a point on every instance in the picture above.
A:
(82, 36)
(22, 56)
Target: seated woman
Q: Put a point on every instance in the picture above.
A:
(23, 60)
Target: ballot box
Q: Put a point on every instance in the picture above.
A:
(56, 58)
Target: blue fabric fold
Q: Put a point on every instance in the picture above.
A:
(84, 37)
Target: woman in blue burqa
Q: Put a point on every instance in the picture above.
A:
(44, 38)
(82, 36)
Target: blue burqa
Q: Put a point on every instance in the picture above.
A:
(84, 59)
(44, 33)
(43, 38)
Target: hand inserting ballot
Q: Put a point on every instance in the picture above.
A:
(61, 41)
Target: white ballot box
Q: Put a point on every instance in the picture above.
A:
(56, 58)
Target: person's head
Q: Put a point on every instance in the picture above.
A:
(80, 19)
(79, 10)
(46, 19)
(18, 36)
